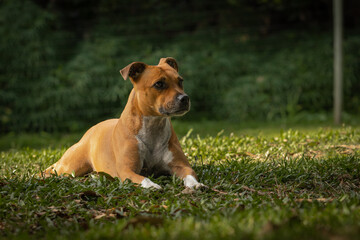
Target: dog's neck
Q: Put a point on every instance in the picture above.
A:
(155, 122)
(133, 116)
(154, 130)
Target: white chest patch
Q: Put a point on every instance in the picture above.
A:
(153, 142)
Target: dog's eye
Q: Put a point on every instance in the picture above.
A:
(160, 85)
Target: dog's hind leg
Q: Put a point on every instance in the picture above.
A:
(74, 161)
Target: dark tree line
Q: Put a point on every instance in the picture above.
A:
(242, 59)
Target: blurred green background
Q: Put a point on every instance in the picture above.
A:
(242, 60)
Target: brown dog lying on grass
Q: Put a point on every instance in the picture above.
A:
(142, 140)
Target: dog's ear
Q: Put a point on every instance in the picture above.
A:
(170, 61)
(133, 70)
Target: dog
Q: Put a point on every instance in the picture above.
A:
(142, 141)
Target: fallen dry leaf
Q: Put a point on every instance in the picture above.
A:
(188, 191)
(347, 146)
(314, 200)
(220, 192)
(160, 206)
(100, 216)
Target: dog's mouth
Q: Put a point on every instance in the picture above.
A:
(174, 112)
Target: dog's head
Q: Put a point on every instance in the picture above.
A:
(158, 89)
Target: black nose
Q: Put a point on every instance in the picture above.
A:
(183, 99)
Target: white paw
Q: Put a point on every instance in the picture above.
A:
(147, 183)
(191, 182)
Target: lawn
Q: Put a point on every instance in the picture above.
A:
(275, 184)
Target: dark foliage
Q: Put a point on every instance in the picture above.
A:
(241, 59)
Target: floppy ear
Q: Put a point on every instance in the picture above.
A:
(133, 70)
(171, 61)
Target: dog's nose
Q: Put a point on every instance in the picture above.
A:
(183, 99)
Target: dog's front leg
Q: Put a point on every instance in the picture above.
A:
(187, 175)
(128, 166)
(128, 173)
(181, 168)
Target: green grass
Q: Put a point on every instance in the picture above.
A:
(279, 184)
(302, 122)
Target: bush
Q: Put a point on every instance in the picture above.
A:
(57, 77)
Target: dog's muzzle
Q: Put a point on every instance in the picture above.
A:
(179, 106)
